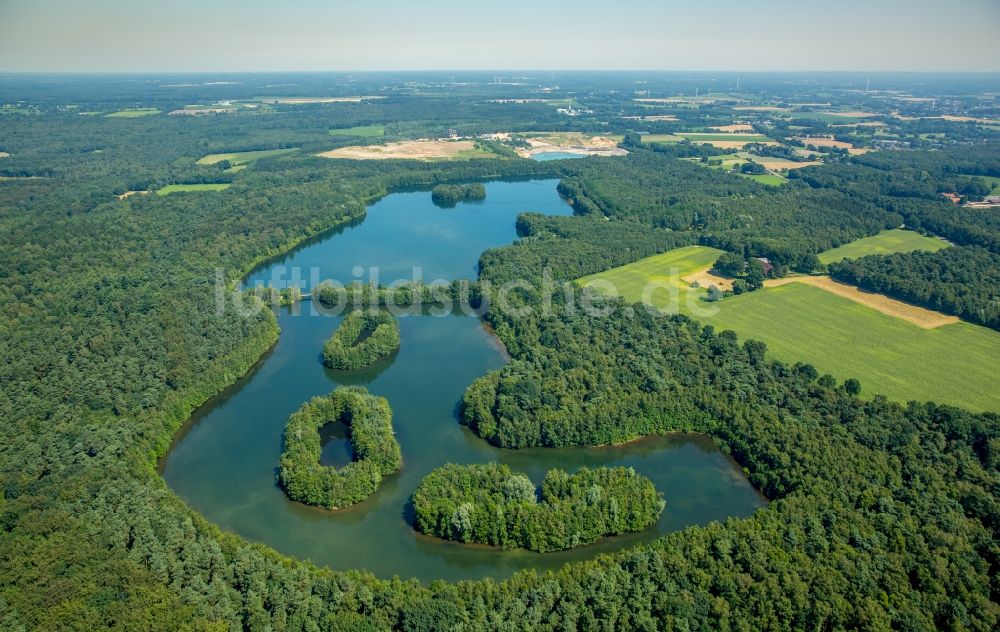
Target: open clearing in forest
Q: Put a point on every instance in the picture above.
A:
(129, 194)
(186, 188)
(671, 267)
(950, 364)
(361, 131)
(412, 149)
(243, 157)
(887, 242)
(133, 113)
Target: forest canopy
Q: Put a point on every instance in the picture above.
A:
(490, 504)
(376, 451)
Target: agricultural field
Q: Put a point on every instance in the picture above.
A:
(243, 157)
(133, 113)
(888, 242)
(769, 179)
(801, 322)
(361, 131)
(661, 138)
(953, 364)
(189, 188)
(671, 267)
(413, 150)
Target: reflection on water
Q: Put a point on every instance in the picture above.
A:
(224, 463)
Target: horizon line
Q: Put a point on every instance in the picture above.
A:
(567, 70)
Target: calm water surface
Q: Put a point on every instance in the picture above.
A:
(224, 463)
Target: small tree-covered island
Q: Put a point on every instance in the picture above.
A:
(376, 451)
(452, 194)
(362, 339)
(490, 504)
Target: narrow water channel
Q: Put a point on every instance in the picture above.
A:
(224, 462)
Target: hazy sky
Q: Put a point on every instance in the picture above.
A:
(213, 35)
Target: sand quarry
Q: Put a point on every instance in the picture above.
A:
(572, 143)
(421, 149)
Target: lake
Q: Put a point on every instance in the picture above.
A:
(223, 463)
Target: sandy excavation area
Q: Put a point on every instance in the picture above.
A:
(737, 128)
(421, 149)
(572, 143)
(919, 316)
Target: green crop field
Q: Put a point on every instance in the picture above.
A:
(767, 178)
(183, 188)
(363, 131)
(243, 157)
(630, 279)
(133, 113)
(888, 242)
(661, 138)
(954, 364)
(742, 138)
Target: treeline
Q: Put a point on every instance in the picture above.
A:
(452, 194)
(490, 504)
(376, 451)
(961, 281)
(789, 225)
(362, 338)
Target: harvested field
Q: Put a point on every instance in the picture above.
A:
(413, 150)
(705, 279)
(919, 316)
(826, 142)
(733, 129)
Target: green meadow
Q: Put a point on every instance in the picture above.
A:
(954, 364)
(132, 113)
(766, 178)
(992, 181)
(630, 279)
(888, 242)
(186, 188)
(361, 131)
(243, 157)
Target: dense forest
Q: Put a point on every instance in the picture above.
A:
(376, 451)
(362, 338)
(883, 515)
(490, 504)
